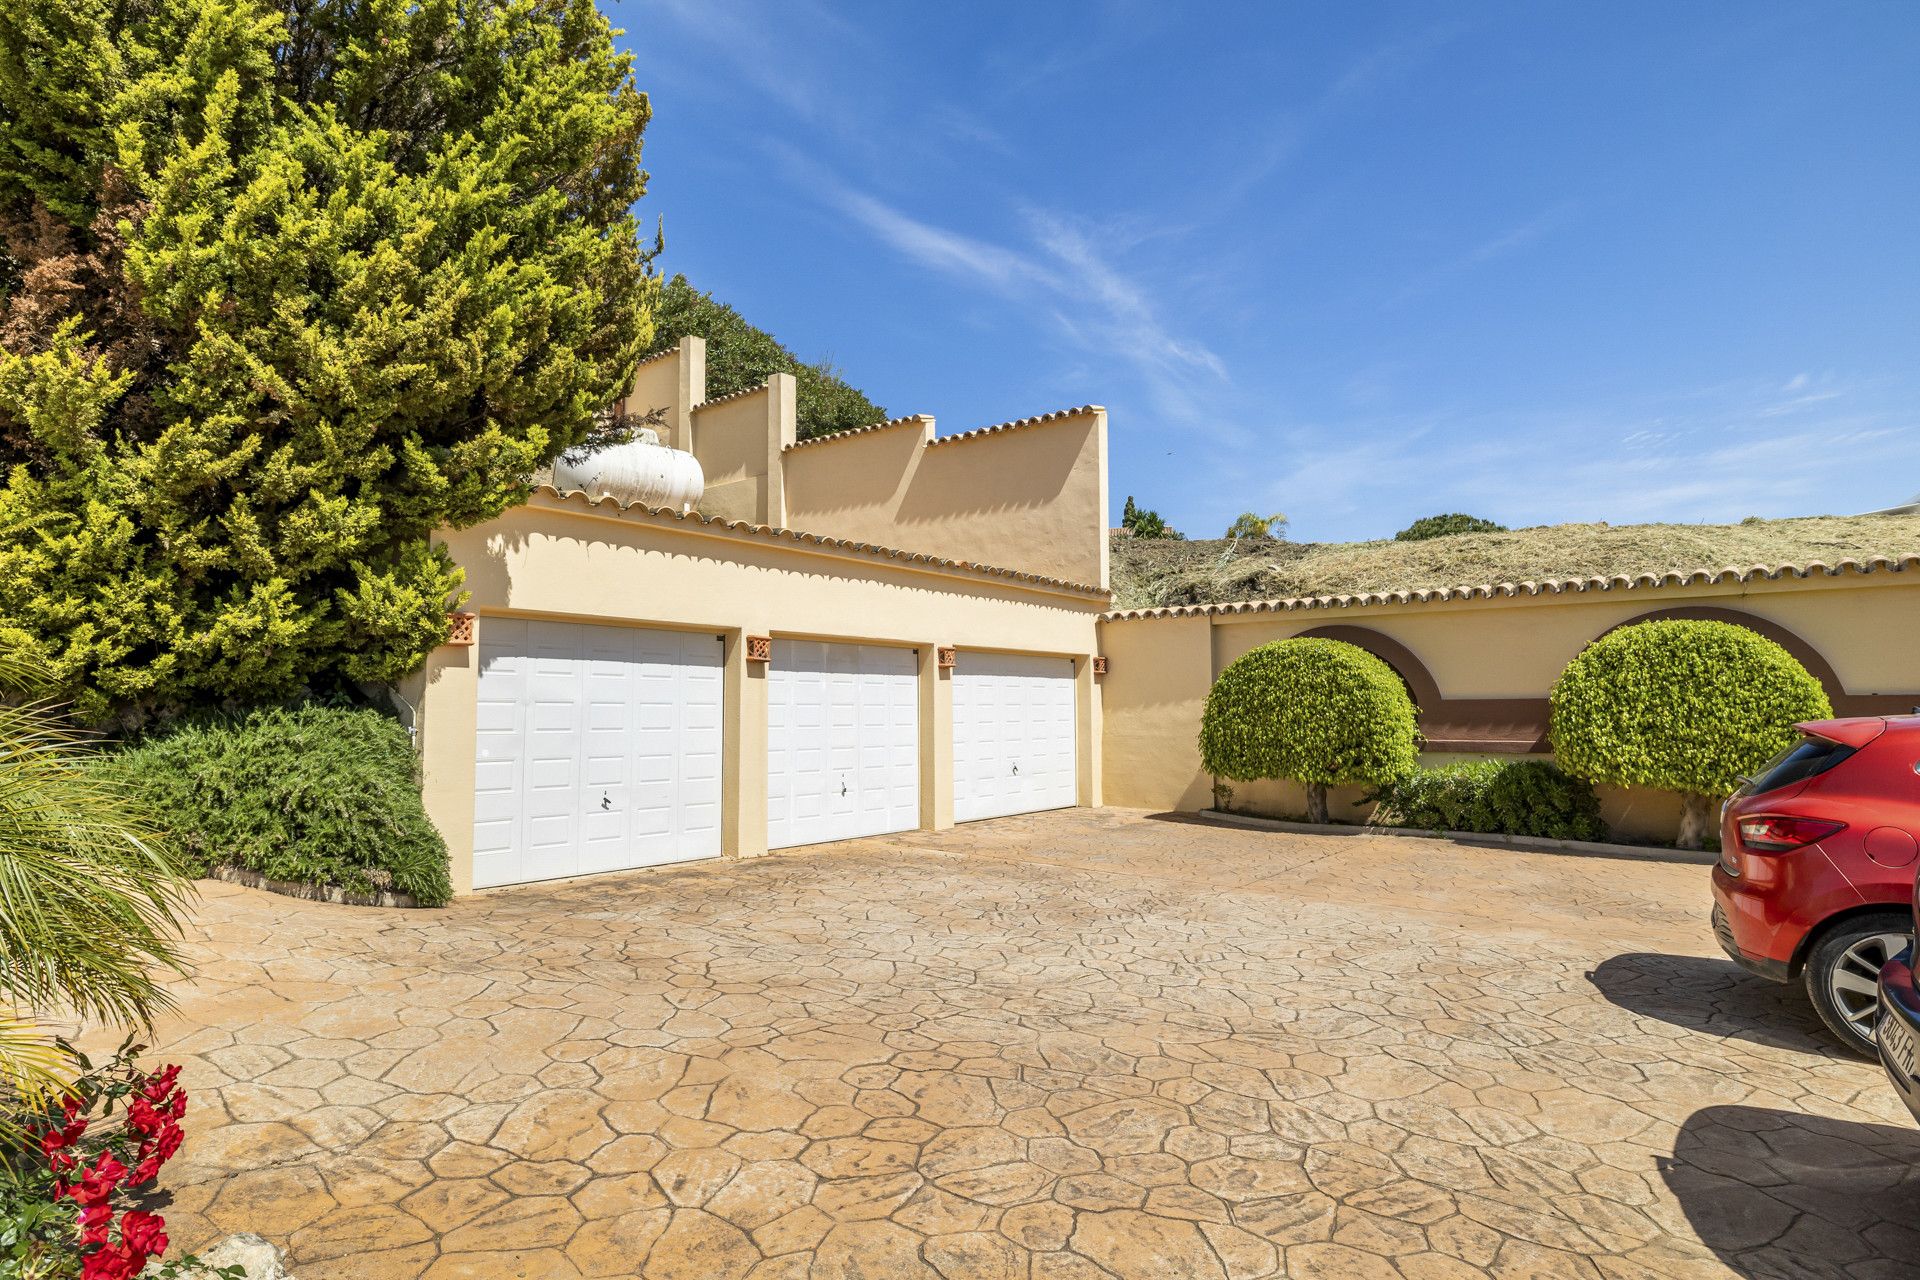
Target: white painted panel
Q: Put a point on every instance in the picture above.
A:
(1014, 721)
(843, 742)
(598, 749)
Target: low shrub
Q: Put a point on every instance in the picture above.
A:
(325, 795)
(1536, 798)
(1446, 526)
(1519, 798)
(1448, 797)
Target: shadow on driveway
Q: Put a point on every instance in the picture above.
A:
(1778, 1193)
(1716, 997)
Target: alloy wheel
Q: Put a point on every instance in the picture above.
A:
(1854, 981)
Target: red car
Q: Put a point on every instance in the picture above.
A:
(1817, 863)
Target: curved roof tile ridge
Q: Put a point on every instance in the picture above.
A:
(673, 350)
(1728, 575)
(731, 395)
(631, 510)
(858, 431)
(1051, 416)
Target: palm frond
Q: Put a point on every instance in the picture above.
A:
(90, 903)
(35, 1069)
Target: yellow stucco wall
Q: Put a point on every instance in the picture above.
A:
(670, 385)
(1030, 497)
(1513, 647)
(738, 442)
(564, 558)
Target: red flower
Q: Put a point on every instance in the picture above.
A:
(98, 1183)
(56, 1144)
(161, 1083)
(145, 1232)
(114, 1262)
(96, 1223)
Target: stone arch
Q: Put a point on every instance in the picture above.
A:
(1809, 657)
(1413, 673)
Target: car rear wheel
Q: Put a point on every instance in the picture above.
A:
(1843, 974)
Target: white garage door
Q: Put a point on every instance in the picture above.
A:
(598, 749)
(1013, 735)
(843, 742)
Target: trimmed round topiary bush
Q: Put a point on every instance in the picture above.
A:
(1445, 526)
(1681, 705)
(1321, 712)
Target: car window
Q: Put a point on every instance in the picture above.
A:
(1807, 758)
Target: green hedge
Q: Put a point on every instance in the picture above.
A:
(325, 795)
(1520, 798)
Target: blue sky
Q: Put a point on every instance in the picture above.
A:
(1359, 263)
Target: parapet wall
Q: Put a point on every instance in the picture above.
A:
(1029, 495)
(738, 440)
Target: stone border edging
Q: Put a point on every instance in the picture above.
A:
(1535, 844)
(312, 892)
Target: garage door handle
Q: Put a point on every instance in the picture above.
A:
(843, 787)
(1016, 771)
(606, 801)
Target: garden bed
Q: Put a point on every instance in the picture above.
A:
(1537, 844)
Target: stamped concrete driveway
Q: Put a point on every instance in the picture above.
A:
(1081, 1045)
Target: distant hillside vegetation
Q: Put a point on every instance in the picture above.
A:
(1149, 572)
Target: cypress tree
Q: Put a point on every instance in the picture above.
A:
(288, 285)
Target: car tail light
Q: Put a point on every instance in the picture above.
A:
(1777, 833)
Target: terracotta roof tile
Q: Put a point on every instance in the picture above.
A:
(659, 355)
(1018, 423)
(731, 395)
(1731, 574)
(662, 515)
(912, 418)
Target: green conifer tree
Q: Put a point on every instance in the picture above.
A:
(287, 285)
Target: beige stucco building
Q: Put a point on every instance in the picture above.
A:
(1481, 660)
(882, 630)
(892, 629)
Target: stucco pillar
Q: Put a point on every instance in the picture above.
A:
(783, 418)
(1087, 714)
(743, 735)
(690, 389)
(443, 697)
(936, 742)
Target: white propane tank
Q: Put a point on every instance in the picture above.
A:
(642, 470)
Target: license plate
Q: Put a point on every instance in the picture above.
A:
(1896, 1041)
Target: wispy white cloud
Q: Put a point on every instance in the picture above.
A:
(1068, 273)
(1275, 141)
(1511, 240)
(990, 266)
(1697, 454)
(752, 48)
